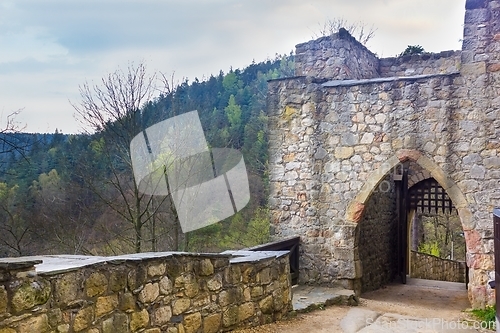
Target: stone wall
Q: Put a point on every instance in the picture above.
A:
(425, 266)
(377, 242)
(332, 142)
(446, 62)
(148, 293)
(337, 56)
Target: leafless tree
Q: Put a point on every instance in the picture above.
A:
(112, 112)
(358, 30)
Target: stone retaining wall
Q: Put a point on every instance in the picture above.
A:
(150, 293)
(426, 266)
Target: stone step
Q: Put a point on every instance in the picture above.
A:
(308, 298)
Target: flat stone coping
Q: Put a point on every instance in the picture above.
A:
(53, 264)
(239, 256)
(348, 83)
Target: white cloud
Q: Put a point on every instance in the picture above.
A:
(57, 45)
(32, 43)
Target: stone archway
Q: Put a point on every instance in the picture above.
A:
(357, 207)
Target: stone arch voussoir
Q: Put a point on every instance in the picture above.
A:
(356, 208)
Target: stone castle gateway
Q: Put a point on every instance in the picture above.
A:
(350, 122)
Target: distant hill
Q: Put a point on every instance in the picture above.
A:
(50, 183)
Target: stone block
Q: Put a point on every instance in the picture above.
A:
(149, 293)
(206, 267)
(37, 324)
(473, 69)
(152, 330)
(180, 306)
(264, 276)
(30, 294)
(211, 323)
(256, 291)
(136, 278)
(230, 316)
(157, 269)
(118, 279)
(343, 152)
(83, 319)
(215, 283)
(245, 311)
(139, 320)
(118, 323)
(66, 289)
(355, 212)
(3, 300)
(166, 286)
(105, 305)
(96, 284)
(267, 305)
(127, 302)
(192, 322)
(191, 287)
(162, 315)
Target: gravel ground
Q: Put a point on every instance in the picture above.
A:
(408, 300)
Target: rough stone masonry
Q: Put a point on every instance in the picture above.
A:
(348, 119)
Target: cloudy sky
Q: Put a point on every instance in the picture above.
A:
(50, 47)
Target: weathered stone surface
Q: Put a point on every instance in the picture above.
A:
(424, 266)
(166, 286)
(162, 315)
(149, 293)
(355, 212)
(127, 302)
(35, 324)
(118, 323)
(66, 288)
(83, 319)
(245, 311)
(105, 305)
(211, 324)
(192, 322)
(206, 267)
(118, 279)
(7, 330)
(29, 294)
(181, 305)
(153, 306)
(215, 283)
(153, 330)
(96, 284)
(230, 316)
(266, 305)
(139, 320)
(156, 269)
(3, 300)
(343, 152)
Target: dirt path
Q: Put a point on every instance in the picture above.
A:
(409, 300)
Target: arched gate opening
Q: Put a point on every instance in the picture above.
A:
(395, 239)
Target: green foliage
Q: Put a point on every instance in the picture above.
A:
(486, 315)
(430, 248)
(412, 49)
(51, 187)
